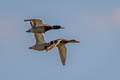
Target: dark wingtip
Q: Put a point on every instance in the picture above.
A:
(64, 64)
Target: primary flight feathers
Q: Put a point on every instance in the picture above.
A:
(38, 28)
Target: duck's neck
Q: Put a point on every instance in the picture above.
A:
(48, 28)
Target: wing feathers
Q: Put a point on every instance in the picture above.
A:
(37, 22)
(62, 52)
(39, 38)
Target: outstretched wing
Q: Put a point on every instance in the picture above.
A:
(62, 52)
(35, 22)
(39, 38)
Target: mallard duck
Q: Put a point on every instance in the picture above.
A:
(60, 44)
(42, 45)
(40, 42)
(39, 27)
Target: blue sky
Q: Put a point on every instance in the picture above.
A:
(95, 23)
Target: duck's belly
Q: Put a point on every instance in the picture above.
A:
(38, 30)
(40, 47)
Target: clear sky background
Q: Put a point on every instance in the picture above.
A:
(96, 23)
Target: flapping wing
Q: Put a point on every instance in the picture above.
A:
(62, 52)
(35, 22)
(39, 38)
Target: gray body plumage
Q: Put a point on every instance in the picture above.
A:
(40, 43)
(37, 30)
(40, 47)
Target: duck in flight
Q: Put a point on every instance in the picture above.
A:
(40, 43)
(39, 27)
(60, 44)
